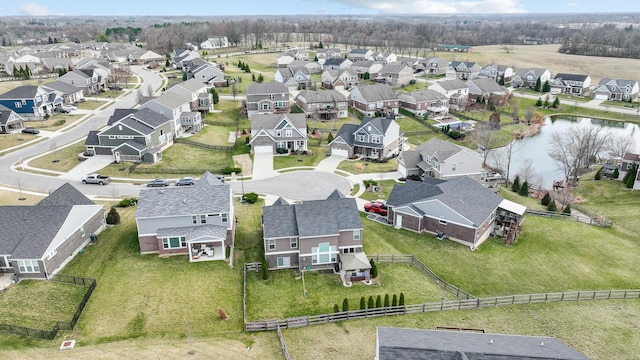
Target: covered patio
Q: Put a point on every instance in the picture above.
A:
(354, 267)
(206, 243)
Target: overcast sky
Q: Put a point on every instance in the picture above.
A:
(308, 7)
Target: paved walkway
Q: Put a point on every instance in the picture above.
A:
(330, 164)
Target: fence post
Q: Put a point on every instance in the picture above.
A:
(578, 298)
(562, 297)
(609, 297)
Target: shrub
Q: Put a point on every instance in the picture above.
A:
(515, 187)
(229, 169)
(336, 308)
(282, 150)
(223, 314)
(598, 175)
(567, 209)
(378, 301)
(113, 218)
(394, 300)
(386, 300)
(552, 206)
(345, 304)
(59, 122)
(370, 303)
(401, 302)
(132, 201)
(251, 197)
(374, 269)
(524, 189)
(616, 173)
(412, 81)
(330, 137)
(363, 303)
(265, 270)
(546, 199)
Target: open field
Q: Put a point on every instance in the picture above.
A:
(54, 123)
(361, 167)
(11, 140)
(63, 159)
(8, 197)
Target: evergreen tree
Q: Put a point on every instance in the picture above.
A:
(374, 269)
(598, 174)
(247, 69)
(378, 301)
(253, 77)
(546, 87)
(260, 78)
(345, 305)
(50, 41)
(515, 187)
(315, 58)
(552, 206)
(567, 209)
(363, 303)
(386, 300)
(394, 300)
(265, 270)
(539, 102)
(401, 302)
(113, 218)
(556, 103)
(616, 173)
(320, 46)
(336, 308)
(538, 85)
(546, 199)
(370, 303)
(524, 189)
(330, 137)
(546, 101)
(366, 76)
(501, 80)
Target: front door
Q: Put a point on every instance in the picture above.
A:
(398, 221)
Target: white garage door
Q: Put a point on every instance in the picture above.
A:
(601, 96)
(340, 152)
(263, 149)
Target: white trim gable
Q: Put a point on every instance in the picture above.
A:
(428, 207)
(77, 217)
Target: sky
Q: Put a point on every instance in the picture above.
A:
(308, 7)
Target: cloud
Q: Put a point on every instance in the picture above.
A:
(438, 6)
(33, 9)
(572, 4)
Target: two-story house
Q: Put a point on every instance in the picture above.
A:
(463, 70)
(337, 64)
(87, 79)
(440, 159)
(288, 57)
(312, 234)
(197, 221)
(616, 90)
(295, 78)
(172, 105)
(328, 53)
(10, 122)
(323, 105)
(267, 98)
(365, 68)
(215, 42)
(456, 91)
(360, 54)
(570, 84)
(344, 79)
(395, 75)
(497, 73)
(39, 240)
(208, 73)
(385, 57)
(487, 89)
(136, 135)
(629, 160)
(278, 131)
(424, 102)
(435, 65)
(374, 138)
(529, 77)
(70, 94)
(374, 99)
(31, 102)
(200, 99)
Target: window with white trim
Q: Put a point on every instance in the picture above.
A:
(288, 133)
(376, 139)
(284, 261)
(28, 266)
(271, 244)
(18, 105)
(82, 233)
(175, 242)
(203, 219)
(224, 217)
(52, 254)
(361, 138)
(293, 243)
(324, 253)
(194, 219)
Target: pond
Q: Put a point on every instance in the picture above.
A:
(535, 148)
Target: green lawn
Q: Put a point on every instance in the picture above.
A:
(361, 167)
(331, 125)
(39, 304)
(11, 140)
(318, 153)
(91, 104)
(214, 135)
(282, 295)
(55, 122)
(63, 159)
(385, 187)
(410, 124)
(226, 111)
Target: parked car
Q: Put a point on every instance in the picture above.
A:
(115, 87)
(30, 130)
(96, 179)
(70, 107)
(377, 207)
(185, 181)
(158, 182)
(61, 110)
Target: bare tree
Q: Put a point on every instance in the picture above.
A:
(149, 90)
(507, 48)
(529, 114)
(487, 139)
(139, 96)
(502, 157)
(527, 172)
(618, 145)
(577, 148)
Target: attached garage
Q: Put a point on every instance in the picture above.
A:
(339, 152)
(262, 149)
(601, 96)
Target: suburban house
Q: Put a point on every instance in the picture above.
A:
(272, 132)
(360, 54)
(197, 221)
(570, 84)
(54, 65)
(372, 100)
(616, 90)
(453, 48)
(529, 77)
(295, 78)
(463, 70)
(87, 79)
(291, 55)
(136, 135)
(311, 66)
(425, 102)
(337, 64)
(497, 72)
(200, 99)
(323, 105)
(39, 240)
(215, 42)
(459, 208)
(486, 89)
(456, 91)
(435, 65)
(312, 235)
(344, 79)
(328, 53)
(33, 63)
(395, 75)
(31, 102)
(267, 98)
(385, 58)
(209, 74)
(364, 67)
(628, 160)
(70, 94)
(178, 56)
(10, 122)
(440, 159)
(399, 343)
(374, 138)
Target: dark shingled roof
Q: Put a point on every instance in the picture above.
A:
(92, 138)
(65, 195)
(21, 92)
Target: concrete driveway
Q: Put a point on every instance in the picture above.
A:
(330, 163)
(92, 165)
(262, 166)
(298, 185)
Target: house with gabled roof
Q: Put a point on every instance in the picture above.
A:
(456, 91)
(458, 208)
(199, 97)
(86, 79)
(616, 90)
(570, 84)
(364, 67)
(529, 77)
(172, 105)
(337, 63)
(344, 79)
(374, 99)
(70, 94)
(323, 105)
(273, 133)
(374, 138)
(496, 72)
(327, 53)
(312, 235)
(10, 122)
(360, 54)
(312, 66)
(267, 98)
(295, 78)
(31, 102)
(440, 159)
(55, 64)
(463, 70)
(209, 74)
(486, 89)
(424, 102)
(136, 135)
(395, 75)
(385, 57)
(39, 240)
(215, 42)
(435, 65)
(197, 221)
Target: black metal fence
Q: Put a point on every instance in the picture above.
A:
(89, 283)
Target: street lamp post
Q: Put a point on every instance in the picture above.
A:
(242, 184)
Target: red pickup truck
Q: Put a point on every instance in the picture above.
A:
(376, 207)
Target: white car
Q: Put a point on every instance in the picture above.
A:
(69, 107)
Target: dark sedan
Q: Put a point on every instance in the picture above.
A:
(30, 130)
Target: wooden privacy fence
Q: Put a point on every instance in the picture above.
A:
(283, 344)
(595, 220)
(89, 283)
(203, 145)
(461, 304)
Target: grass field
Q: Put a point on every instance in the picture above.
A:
(11, 140)
(214, 135)
(54, 123)
(67, 158)
(8, 197)
(361, 167)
